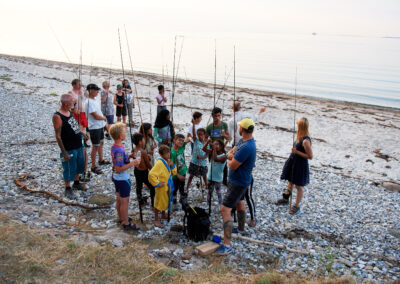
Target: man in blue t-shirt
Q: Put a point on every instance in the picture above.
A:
(241, 161)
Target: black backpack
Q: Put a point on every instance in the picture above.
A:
(196, 223)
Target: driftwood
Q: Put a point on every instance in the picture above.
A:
(280, 246)
(19, 182)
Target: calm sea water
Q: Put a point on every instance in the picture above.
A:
(346, 68)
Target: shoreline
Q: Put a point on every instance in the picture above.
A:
(254, 92)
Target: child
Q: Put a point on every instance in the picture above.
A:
(120, 101)
(142, 170)
(163, 128)
(178, 157)
(160, 177)
(120, 175)
(198, 164)
(296, 169)
(161, 99)
(216, 168)
(196, 122)
(150, 143)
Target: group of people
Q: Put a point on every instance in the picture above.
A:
(81, 118)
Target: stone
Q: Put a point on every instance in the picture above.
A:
(117, 243)
(101, 199)
(392, 186)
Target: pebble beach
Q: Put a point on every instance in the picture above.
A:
(349, 220)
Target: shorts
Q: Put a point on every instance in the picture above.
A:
(75, 165)
(121, 111)
(96, 136)
(81, 119)
(110, 119)
(122, 187)
(197, 171)
(233, 195)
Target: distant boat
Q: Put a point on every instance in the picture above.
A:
(314, 33)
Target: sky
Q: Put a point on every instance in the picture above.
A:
(29, 27)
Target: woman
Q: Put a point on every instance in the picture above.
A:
(163, 128)
(150, 143)
(296, 169)
(130, 103)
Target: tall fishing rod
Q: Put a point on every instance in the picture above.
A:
(151, 116)
(190, 100)
(175, 75)
(234, 95)
(130, 127)
(294, 131)
(134, 80)
(212, 153)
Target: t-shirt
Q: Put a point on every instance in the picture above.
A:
(79, 99)
(197, 150)
(91, 107)
(108, 107)
(178, 157)
(246, 155)
(119, 158)
(160, 97)
(215, 132)
(196, 127)
(217, 169)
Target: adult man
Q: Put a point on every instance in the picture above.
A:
(161, 99)
(79, 105)
(96, 127)
(241, 161)
(107, 105)
(238, 116)
(69, 139)
(218, 130)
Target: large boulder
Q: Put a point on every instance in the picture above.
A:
(391, 186)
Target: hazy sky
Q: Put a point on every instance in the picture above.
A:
(24, 25)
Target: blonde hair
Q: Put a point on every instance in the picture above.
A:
(117, 129)
(302, 128)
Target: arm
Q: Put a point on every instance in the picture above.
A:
(154, 174)
(218, 159)
(158, 100)
(193, 130)
(119, 169)
(164, 98)
(97, 116)
(205, 147)
(104, 97)
(307, 146)
(233, 164)
(115, 100)
(57, 123)
(146, 160)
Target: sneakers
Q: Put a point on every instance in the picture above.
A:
(130, 227)
(224, 250)
(85, 177)
(79, 186)
(69, 193)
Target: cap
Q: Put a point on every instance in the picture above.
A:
(92, 87)
(246, 123)
(119, 87)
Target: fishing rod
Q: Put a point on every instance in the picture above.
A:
(234, 95)
(212, 152)
(175, 75)
(151, 116)
(294, 131)
(190, 100)
(130, 127)
(134, 80)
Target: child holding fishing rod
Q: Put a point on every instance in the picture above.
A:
(296, 169)
(120, 103)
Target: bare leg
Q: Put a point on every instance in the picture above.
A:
(189, 182)
(101, 151)
(124, 205)
(241, 213)
(118, 119)
(299, 195)
(67, 183)
(228, 224)
(124, 119)
(86, 159)
(118, 206)
(289, 188)
(156, 218)
(95, 149)
(205, 181)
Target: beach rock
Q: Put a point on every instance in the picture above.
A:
(117, 243)
(392, 186)
(101, 199)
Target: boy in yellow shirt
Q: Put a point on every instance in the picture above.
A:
(160, 177)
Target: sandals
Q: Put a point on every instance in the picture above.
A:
(294, 210)
(130, 227)
(129, 220)
(284, 200)
(96, 170)
(104, 162)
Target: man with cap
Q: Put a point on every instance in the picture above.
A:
(96, 122)
(241, 161)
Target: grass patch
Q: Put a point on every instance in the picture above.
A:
(53, 94)
(5, 78)
(20, 84)
(34, 255)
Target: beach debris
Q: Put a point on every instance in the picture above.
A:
(101, 199)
